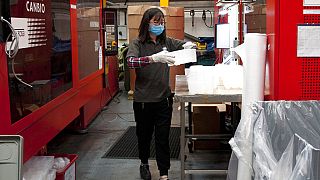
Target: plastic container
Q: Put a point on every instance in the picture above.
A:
(11, 156)
(69, 172)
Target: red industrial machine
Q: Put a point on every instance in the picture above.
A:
(59, 73)
(293, 51)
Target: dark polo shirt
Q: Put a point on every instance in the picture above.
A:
(152, 81)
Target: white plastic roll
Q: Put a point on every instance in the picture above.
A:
(253, 55)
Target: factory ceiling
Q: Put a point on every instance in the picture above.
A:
(122, 1)
(157, 1)
(187, 4)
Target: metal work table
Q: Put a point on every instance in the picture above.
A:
(183, 95)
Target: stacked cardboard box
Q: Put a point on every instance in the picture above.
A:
(256, 20)
(174, 17)
(88, 40)
(206, 120)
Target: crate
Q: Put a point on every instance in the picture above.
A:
(69, 172)
(206, 120)
(11, 156)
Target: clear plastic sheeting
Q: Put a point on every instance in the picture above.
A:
(283, 138)
(39, 168)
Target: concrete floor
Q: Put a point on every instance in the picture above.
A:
(103, 132)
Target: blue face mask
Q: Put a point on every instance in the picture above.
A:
(156, 30)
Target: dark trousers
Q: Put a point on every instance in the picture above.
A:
(154, 117)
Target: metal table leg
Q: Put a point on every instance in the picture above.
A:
(190, 127)
(182, 139)
(234, 117)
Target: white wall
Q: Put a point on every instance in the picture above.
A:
(199, 29)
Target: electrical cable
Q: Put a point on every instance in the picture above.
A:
(192, 13)
(13, 49)
(14, 46)
(204, 18)
(15, 75)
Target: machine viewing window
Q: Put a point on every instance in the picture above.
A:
(42, 68)
(88, 36)
(111, 33)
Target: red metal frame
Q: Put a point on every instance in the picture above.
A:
(43, 125)
(4, 93)
(285, 68)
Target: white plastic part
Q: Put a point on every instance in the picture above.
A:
(219, 79)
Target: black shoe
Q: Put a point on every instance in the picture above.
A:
(144, 172)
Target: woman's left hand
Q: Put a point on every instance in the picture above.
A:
(189, 45)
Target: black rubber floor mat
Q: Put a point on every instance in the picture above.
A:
(126, 147)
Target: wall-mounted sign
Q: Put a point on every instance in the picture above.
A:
(308, 41)
(31, 32)
(311, 2)
(36, 7)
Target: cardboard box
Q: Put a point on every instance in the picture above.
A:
(174, 17)
(256, 21)
(88, 46)
(88, 23)
(88, 12)
(258, 9)
(171, 14)
(138, 9)
(167, 11)
(259, 30)
(206, 120)
(174, 22)
(134, 21)
(264, 9)
(178, 34)
(133, 34)
(88, 19)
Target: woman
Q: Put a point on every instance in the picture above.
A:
(152, 96)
